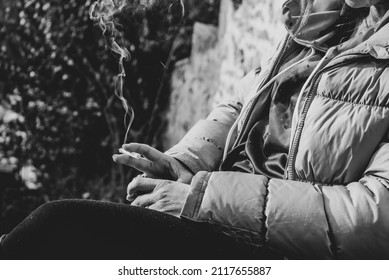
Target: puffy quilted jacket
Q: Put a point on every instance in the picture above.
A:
(334, 200)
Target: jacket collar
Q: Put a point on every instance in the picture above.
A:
(320, 27)
(376, 44)
(324, 17)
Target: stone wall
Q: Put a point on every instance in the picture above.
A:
(246, 37)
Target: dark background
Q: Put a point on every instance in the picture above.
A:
(63, 122)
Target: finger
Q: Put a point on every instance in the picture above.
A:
(145, 150)
(141, 164)
(145, 200)
(130, 198)
(142, 185)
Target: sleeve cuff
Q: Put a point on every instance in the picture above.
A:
(231, 201)
(195, 196)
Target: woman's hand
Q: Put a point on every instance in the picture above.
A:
(161, 195)
(153, 163)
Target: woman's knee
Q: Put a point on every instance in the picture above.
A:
(54, 209)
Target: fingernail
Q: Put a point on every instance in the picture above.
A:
(130, 198)
(114, 157)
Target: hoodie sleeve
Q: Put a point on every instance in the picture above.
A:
(202, 147)
(299, 219)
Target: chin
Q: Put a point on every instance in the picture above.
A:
(355, 4)
(361, 3)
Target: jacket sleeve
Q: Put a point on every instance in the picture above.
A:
(202, 147)
(299, 219)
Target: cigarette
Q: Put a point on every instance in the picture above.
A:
(131, 154)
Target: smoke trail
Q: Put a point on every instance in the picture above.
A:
(102, 12)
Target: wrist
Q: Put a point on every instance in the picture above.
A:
(183, 166)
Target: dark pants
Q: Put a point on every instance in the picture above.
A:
(83, 229)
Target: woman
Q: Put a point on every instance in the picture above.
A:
(297, 166)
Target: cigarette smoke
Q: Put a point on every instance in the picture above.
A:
(102, 12)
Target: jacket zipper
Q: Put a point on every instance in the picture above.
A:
(264, 81)
(307, 104)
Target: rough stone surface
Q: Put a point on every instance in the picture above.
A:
(194, 82)
(247, 35)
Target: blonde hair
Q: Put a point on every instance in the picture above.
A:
(305, 11)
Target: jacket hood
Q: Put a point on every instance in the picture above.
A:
(320, 25)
